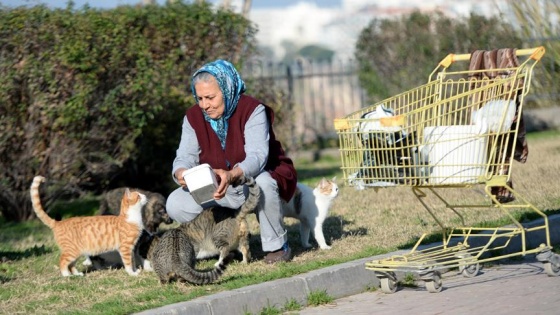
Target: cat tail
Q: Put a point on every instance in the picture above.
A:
(252, 200)
(194, 276)
(36, 201)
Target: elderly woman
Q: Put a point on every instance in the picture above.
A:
(232, 132)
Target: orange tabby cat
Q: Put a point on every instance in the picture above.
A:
(97, 234)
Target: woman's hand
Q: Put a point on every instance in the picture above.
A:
(226, 178)
(179, 176)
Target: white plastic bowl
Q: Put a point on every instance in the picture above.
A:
(201, 182)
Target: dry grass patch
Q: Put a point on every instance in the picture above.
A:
(361, 223)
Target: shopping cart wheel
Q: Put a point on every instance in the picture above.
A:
(388, 282)
(550, 260)
(388, 286)
(551, 269)
(434, 283)
(469, 271)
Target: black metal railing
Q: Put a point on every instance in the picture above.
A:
(320, 91)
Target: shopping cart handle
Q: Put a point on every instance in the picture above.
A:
(536, 54)
(341, 124)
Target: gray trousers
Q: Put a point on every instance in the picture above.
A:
(181, 207)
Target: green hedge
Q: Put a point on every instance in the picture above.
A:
(395, 55)
(89, 96)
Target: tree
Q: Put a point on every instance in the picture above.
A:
(536, 21)
(290, 51)
(246, 8)
(395, 55)
(316, 52)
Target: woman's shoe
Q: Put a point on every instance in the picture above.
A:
(283, 254)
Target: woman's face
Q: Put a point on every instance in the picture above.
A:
(210, 98)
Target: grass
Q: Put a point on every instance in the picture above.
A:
(292, 305)
(319, 298)
(361, 224)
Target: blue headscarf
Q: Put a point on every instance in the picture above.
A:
(231, 85)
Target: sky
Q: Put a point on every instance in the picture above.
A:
(257, 4)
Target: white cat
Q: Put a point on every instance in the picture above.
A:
(311, 207)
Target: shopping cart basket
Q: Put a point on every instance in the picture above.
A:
(455, 131)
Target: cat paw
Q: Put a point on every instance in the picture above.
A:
(131, 272)
(325, 246)
(87, 262)
(147, 266)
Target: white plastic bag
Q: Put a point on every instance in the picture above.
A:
(374, 120)
(373, 125)
(489, 117)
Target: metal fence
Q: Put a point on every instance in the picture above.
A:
(319, 92)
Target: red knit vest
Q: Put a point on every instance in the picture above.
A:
(280, 166)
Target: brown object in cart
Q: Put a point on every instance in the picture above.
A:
(455, 131)
(490, 60)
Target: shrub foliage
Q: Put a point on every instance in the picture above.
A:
(395, 55)
(87, 95)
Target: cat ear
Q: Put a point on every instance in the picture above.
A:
(334, 179)
(127, 192)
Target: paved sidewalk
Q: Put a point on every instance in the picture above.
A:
(519, 288)
(510, 288)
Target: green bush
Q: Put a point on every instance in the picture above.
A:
(395, 55)
(89, 96)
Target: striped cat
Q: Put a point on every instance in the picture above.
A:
(215, 231)
(96, 234)
(154, 212)
(311, 207)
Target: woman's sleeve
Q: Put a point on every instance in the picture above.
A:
(256, 143)
(187, 155)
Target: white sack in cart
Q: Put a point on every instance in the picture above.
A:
(489, 117)
(374, 124)
(456, 154)
(387, 134)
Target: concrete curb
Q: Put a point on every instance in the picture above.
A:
(338, 281)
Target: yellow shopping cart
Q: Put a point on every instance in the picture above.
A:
(455, 131)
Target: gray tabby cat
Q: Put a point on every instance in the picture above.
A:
(311, 207)
(153, 213)
(215, 231)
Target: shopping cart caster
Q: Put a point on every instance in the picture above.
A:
(388, 281)
(432, 281)
(466, 269)
(551, 269)
(551, 262)
(469, 271)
